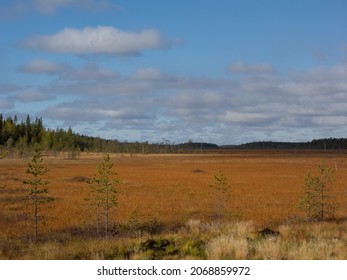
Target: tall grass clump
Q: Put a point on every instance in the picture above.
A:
(226, 247)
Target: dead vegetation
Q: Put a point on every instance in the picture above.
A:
(240, 241)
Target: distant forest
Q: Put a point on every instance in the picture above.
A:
(19, 137)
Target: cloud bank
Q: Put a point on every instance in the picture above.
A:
(89, 72)
(40, 66)
(148, 102)
(99, 40)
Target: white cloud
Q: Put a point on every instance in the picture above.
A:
(90, 72)
(243, 68)
(9, 88)
(32, 95)
(245, 118)
(95, 111)
(147, 74)
(99, 40)
(40, 66)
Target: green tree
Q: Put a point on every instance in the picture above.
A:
(37, 190)
(318, 199)
(1, 126)
(94, 199)
(221, 193)
(103, 192)
(28, 129)
(37, 131)
(2, 155)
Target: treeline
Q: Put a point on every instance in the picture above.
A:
(319, 144)
(20, 137)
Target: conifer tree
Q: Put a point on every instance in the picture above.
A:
(318, 200)
(2, 155)
(103, 192)
(37, 186)
(221, 187)
(94, 199)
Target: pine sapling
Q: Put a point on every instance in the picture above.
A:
(221, 188)
(103, 193)
(318, 200)
(37, 186)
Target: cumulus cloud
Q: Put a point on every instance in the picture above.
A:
(9, 88)
(32, 95)
(147, 74)
(94, 111)
(40, 66)
(243, 68)
(89, 72)
(99, 40)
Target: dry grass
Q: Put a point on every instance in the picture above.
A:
(227, 247)
(321, 241)
(265, 189)
(324, 241)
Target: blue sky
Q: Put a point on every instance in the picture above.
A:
(216, 71)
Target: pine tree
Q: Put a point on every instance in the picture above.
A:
(103, 192)
(221, 187)
(94, 199)
(37, 190)
(2, 155)
(318, 200)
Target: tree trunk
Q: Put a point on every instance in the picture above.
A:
(35, 218)
(106, 211)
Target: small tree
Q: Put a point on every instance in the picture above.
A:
(37, 191)
(103, 192)
(94, 198)
(221, 187)
(318, 200)
(2, 155)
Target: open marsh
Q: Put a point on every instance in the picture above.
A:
(170, 189)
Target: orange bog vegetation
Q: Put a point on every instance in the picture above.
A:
(265, 187)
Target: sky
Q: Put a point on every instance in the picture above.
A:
(218, 71)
